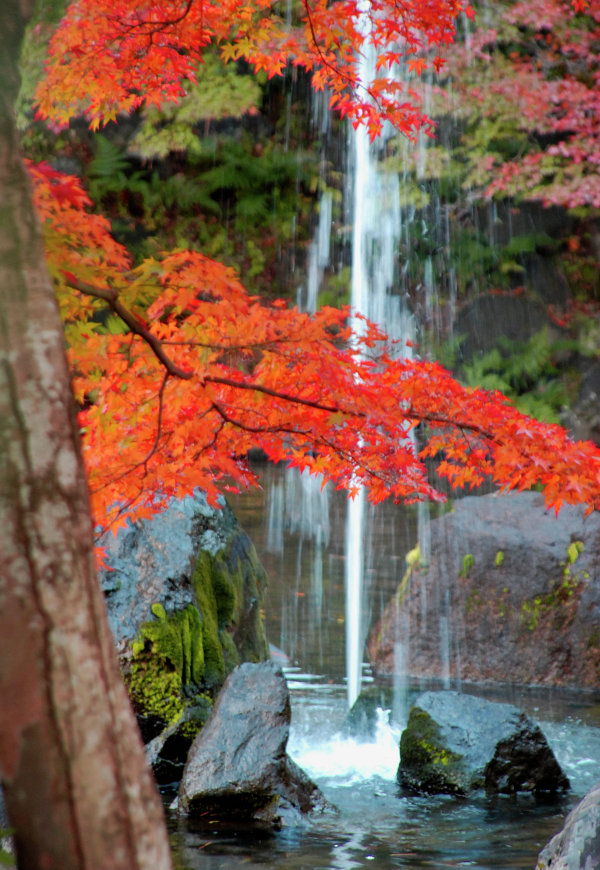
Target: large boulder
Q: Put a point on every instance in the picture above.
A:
(577, 845)
(184, 592)
(509, 593)
(238, 770)
(455, 743)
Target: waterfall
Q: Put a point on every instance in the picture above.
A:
(376, 230)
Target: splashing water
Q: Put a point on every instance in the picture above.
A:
(350, 760)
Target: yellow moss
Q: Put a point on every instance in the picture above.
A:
(154, 687)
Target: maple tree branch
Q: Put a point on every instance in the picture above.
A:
(257, 430)
(276, 394)
(409, 413)
(350, 82)
(212, 442)
(271, 344)
(137, 327)
(135, 324)
(318, 48)
(154, 26)
(101, 532)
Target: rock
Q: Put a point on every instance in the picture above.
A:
(455, 743)
(238, 770)
(167, 752)
(362, 718)
(183, 592)
(583, 417)
(511, 593)
(153, 561)
(577, 846)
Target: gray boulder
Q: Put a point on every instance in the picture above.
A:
(238, 771)
(455, 743)
(577, 846)
(153, 560)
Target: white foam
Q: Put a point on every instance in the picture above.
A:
(347, 758)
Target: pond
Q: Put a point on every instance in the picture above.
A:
(299, 536)
(378, 827)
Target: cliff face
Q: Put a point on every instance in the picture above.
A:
(510, 593)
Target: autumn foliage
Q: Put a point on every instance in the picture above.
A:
(531, 72)
(178, 372)
(109, 58)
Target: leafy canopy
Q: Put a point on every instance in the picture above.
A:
(109, 58)
(178, 372)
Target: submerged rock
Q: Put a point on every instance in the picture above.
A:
(577, 846)
(510, 593)
(363, 717)
(238, 770)
(455, 743)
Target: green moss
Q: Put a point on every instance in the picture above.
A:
(426, 758)
(181, 659)
(230, 653)
(195, 717)
(225, 592)
(249, 580)
(574, 550)
(178, 638)
(531, 612)
(503, 607)
(467, 563)
(413, 560)
(499, 560)
(202, 581)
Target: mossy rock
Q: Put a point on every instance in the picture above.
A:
(456, 743)
(184, 655)
(426, 763)
(239, 563)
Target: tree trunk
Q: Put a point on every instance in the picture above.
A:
(77, 787)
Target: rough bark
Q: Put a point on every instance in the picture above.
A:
(77, 787)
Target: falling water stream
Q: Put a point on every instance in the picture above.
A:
(376, 228)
